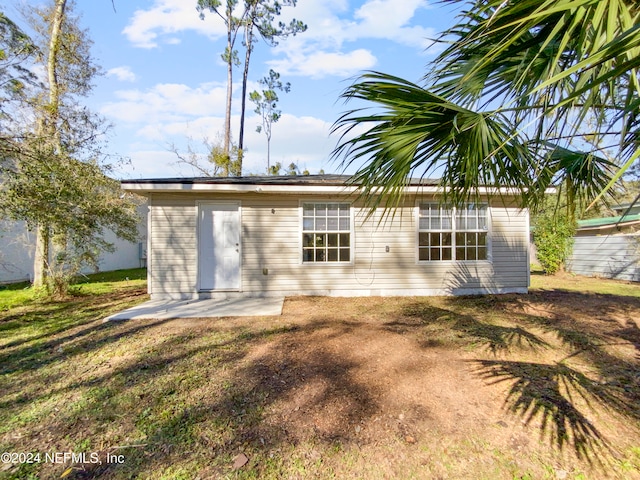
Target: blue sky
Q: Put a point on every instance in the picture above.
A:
(165, 81)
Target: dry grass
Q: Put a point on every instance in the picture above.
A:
(515, 387)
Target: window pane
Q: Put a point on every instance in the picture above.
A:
(307, 240)
(332, 210)
(471, 239)
(460, 253)
(321, 209)
(333, 254)
(344, 240)
(321, 223)
(471, 253)
(344, 223)
(332, 239)
(344, 210)
(459, 238)
(435, 223)
(307, 209)
(434, 240)
(332, 223)
(446, 223)
(307, 224)
(472, 223)
(435, 254)
(344, 254)
(460, 222)
(482, 253)
(446, 253)
(307, 255)
(423, 254)
(446, 239)
(482, 238)
(423, 239)
(321, 256)
(321, 240)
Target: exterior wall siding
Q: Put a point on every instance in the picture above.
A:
(610, 256)
(18, 244)
(383, 251)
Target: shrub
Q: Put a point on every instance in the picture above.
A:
(553, 237)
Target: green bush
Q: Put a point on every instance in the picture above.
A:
(553, 238)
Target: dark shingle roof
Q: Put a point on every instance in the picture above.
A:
(325, 179)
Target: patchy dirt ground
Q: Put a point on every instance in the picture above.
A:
(545, 385)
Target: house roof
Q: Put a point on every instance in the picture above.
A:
(326, 179)
(608, 222)
(326, 183)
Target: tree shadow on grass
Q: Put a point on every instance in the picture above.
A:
(212, 421)
(630, 332)
(469, 329)
(548, 394)
(55, 317)
(554, 393)
(606, 326)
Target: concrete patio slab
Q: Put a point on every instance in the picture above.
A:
(230, 307)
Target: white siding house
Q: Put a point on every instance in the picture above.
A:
(18, 244)
(309, 235)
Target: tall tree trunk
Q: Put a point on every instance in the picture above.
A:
(41, 256)
(227, 117)
(52, 62)
(49, 132)
(245, 75)
(268, 152)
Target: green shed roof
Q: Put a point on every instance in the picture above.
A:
(608, 221)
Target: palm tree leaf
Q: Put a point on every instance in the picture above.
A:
(418, 133)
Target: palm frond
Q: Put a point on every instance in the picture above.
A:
(415, 133)
(515, 76)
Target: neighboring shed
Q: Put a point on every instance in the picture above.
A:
(309, 235)
(607, 247)
(627, 209)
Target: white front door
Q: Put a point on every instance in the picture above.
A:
(219, 246)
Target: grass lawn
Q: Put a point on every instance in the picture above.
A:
(538, 386)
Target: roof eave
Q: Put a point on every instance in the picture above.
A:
(177, 187)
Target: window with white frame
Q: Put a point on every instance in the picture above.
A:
(326, 232)
(449, 233)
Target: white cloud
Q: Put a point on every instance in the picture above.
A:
(331, 24)
(198, 130)
(323, 64)
(151, 163)
(390, 19)
(302, 140)
(168, 17)
(167, 102)
(320, 51)
(123, 73)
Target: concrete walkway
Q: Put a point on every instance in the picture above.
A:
(234, 307)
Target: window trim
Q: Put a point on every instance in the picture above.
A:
(489, 231)
(301, 231)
